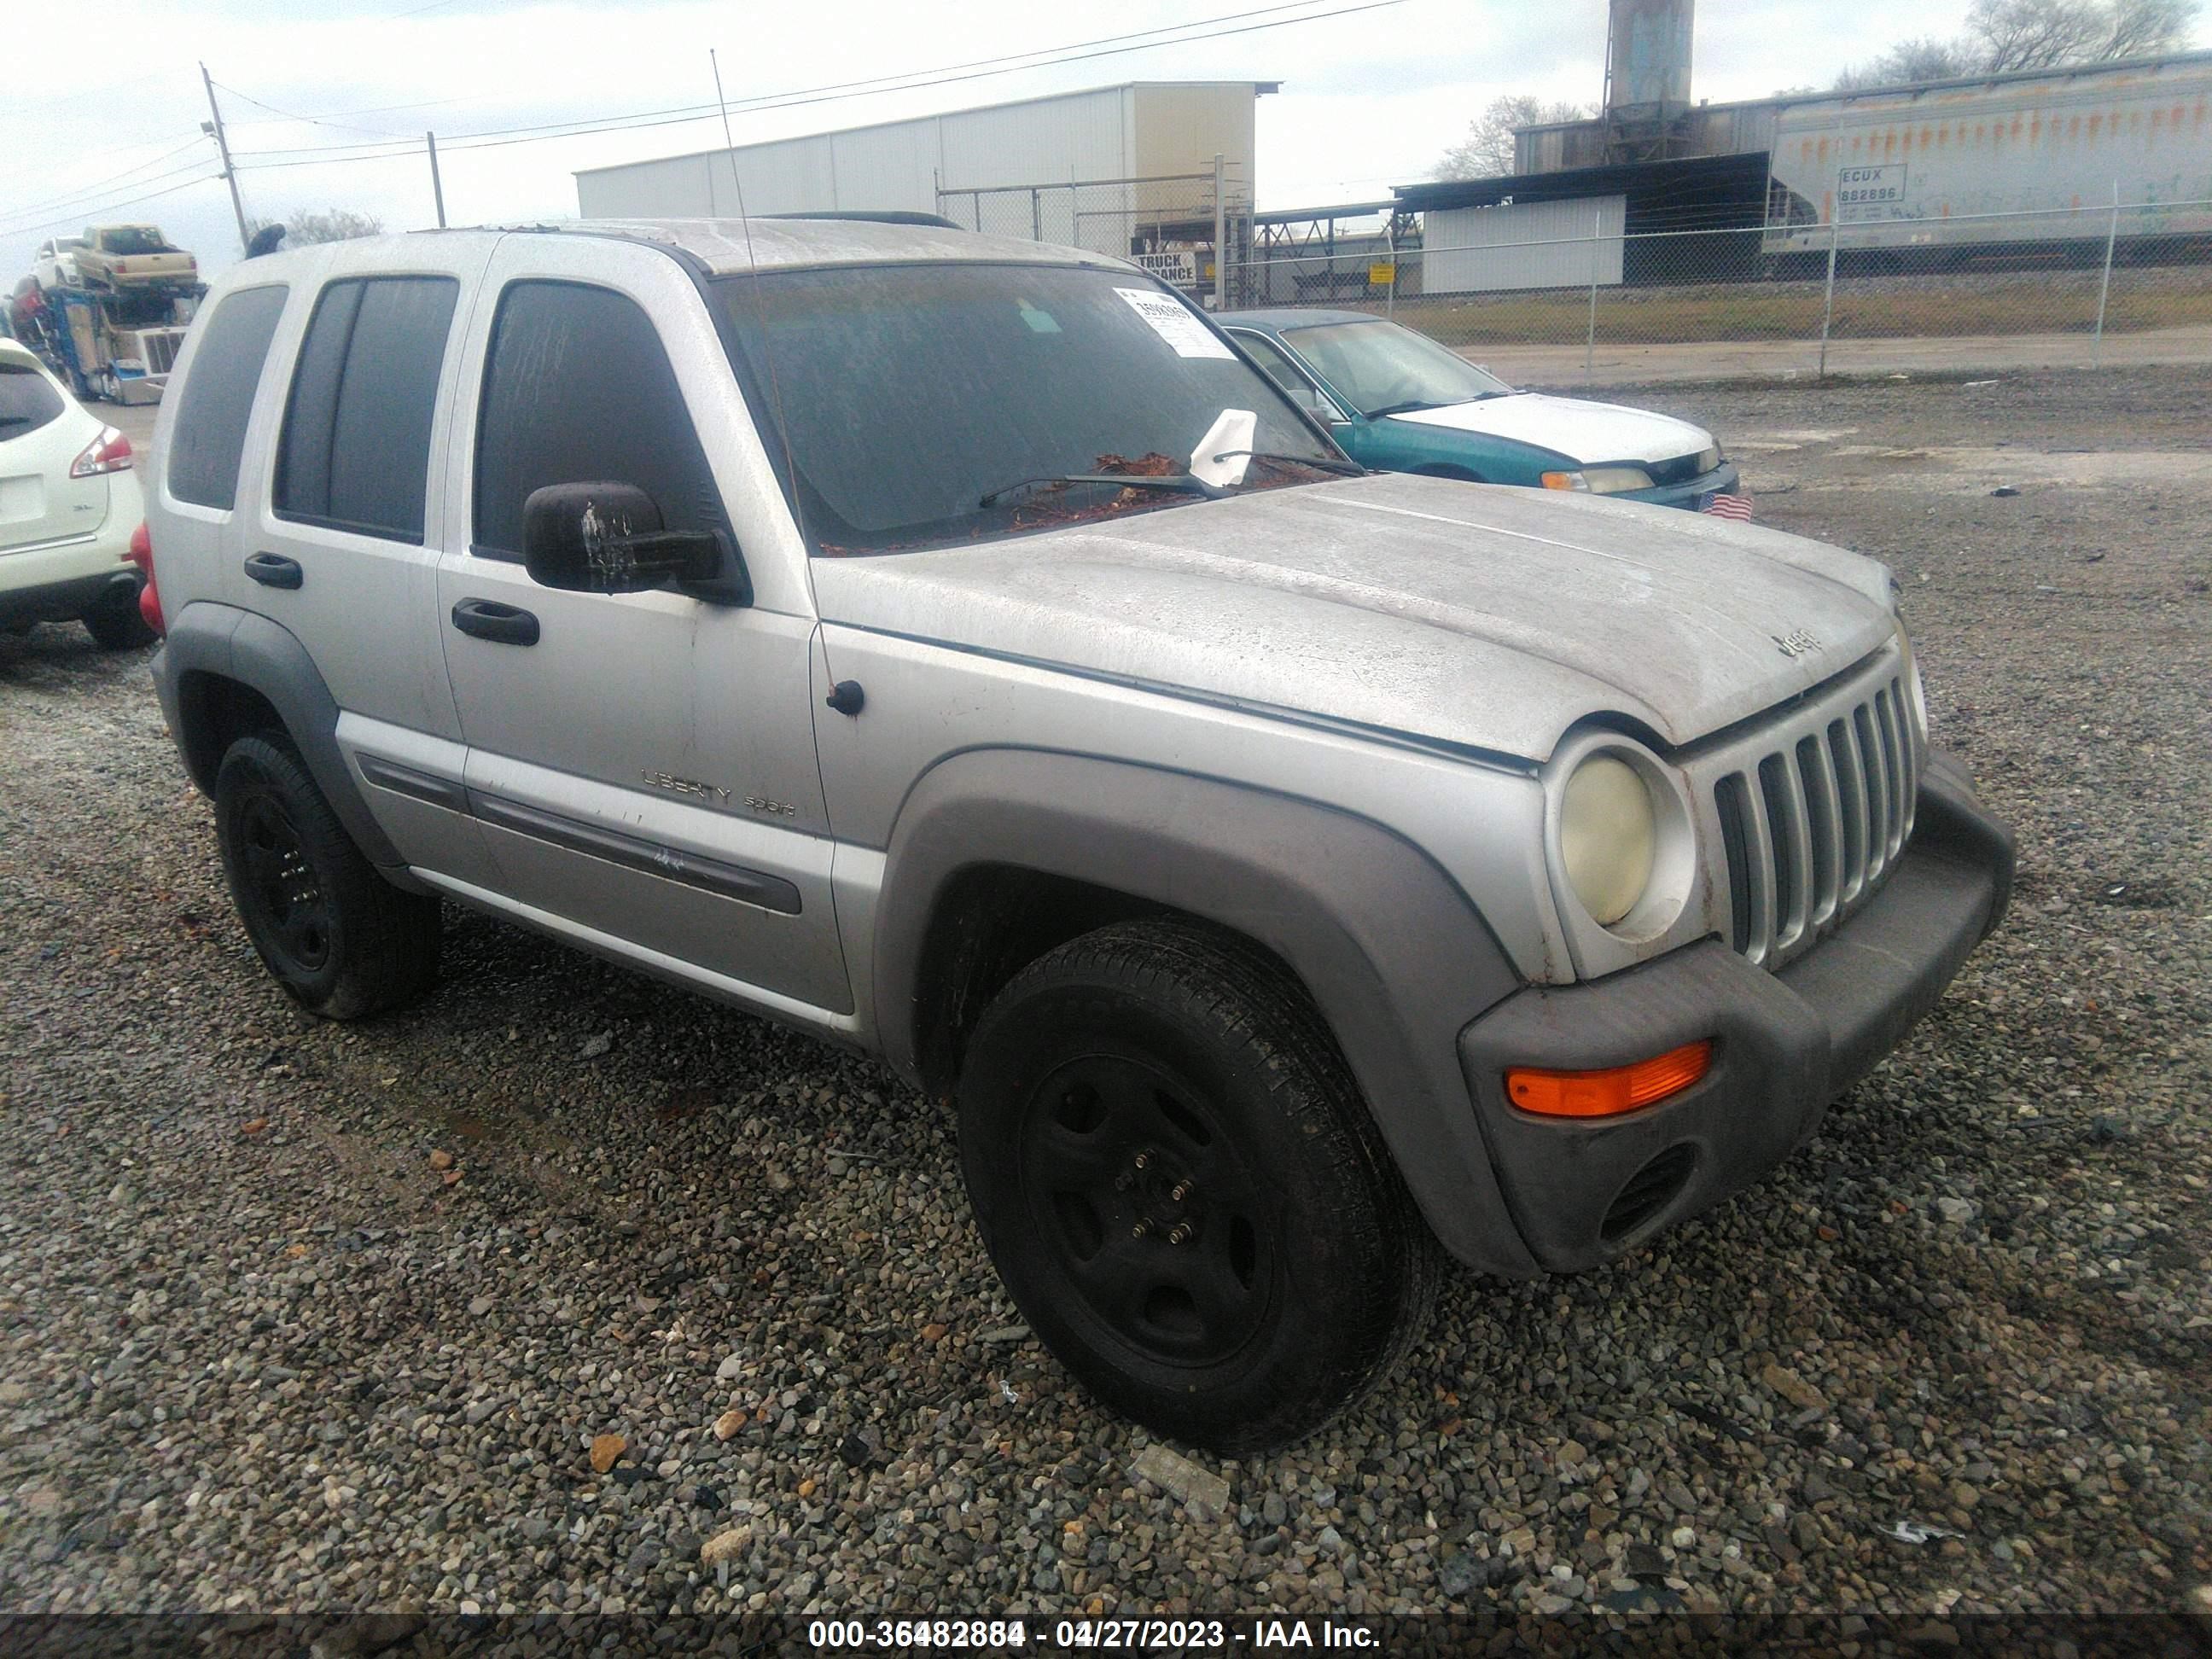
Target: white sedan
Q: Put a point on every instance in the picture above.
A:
(69, 511)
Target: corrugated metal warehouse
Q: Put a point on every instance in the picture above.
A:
(1077, 168)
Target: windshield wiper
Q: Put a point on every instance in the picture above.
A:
(1407, 407)
(1182, 484)
(1319, 463)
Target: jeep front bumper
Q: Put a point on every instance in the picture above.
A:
(1785, 1044)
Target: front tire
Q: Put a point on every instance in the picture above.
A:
(343, 941)
(1177, 1180)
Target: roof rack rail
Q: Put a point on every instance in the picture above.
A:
(876, 217)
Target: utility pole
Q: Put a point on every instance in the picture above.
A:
(437, 188)
(229, 172)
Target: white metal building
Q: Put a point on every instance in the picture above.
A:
(1005, 167)
(1532, 244)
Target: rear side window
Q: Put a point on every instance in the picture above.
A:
(209, 433)
(578, 389)
(28, 399)
(355, 452)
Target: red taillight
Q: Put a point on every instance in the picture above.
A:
(149, 599)
(109, 452)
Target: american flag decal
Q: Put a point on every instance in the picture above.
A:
(1729, 507)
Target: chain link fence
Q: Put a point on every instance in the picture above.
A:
(1170, 224)
(2074, 286)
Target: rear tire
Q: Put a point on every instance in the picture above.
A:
(343, 941)
(118, 625)
(1181, 1187)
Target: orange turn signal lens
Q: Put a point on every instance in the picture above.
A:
(1606, 1094)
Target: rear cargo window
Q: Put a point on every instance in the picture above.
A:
(209, 433)
(355, 452)
(28, 399)
(579, 388)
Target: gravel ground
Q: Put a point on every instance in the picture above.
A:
(295, 1316)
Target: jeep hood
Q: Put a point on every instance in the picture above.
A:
(1465, 614)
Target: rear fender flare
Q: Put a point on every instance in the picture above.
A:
(220, 641)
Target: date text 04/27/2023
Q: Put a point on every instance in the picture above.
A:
(1133, 1635)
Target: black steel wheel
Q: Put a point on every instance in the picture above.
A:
(281, 898)
(336, 935)
(1163, 1231)
(1183, 1189)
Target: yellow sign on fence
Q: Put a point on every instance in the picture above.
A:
(1383, 273)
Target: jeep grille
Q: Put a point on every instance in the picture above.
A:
(1812, 825)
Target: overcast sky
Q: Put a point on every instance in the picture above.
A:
(96, 112)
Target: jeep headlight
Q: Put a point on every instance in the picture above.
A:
(1609, 836)
(1600, 480)
(1709, 458)
(1621, 841)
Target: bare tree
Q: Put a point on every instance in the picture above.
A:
(1925, 59)
(1487, 152)
(2143, 29)
(2033, 35)
(331, 225)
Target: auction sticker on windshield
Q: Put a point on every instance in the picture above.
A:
(1174, 323)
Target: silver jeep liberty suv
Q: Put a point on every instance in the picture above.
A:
(954, 647)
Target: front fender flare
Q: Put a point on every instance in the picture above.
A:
(1393, 954)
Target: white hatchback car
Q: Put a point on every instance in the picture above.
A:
(70, 513)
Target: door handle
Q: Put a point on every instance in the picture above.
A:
(274, 570)
(488, 619)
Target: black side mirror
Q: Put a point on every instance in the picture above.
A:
(606, 538)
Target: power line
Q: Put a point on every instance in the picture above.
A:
(308, 120)
(899, 82)
(101, 186)
(375, 109)
(50, 224)
(78, 208)
(676, 114)
(980, 69)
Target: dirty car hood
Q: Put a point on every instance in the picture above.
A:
(1463, 614)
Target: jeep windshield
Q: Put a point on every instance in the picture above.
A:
(914, 398)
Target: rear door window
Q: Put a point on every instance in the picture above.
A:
(578, 389)
(28, 399)
(355, 452)
(209, 433)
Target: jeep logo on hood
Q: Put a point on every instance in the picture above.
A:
(1796, 642)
